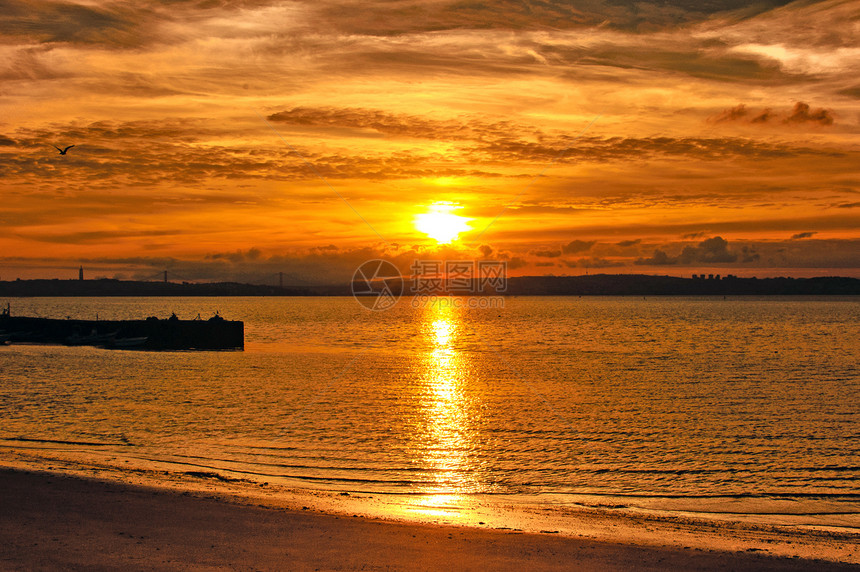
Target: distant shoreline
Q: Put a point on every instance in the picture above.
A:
(593, 285)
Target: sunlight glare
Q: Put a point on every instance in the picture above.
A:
(441, 224)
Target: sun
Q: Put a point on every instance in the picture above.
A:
(441, 224)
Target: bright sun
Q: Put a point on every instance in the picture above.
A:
(441, 224)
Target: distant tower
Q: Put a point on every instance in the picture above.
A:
(81, 273)
(281, 280)
(165, 276)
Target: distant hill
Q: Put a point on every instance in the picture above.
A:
(110, 287)
(594, 285)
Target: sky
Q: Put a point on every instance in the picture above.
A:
(237, 139)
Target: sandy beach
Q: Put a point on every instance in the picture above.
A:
(50, 522)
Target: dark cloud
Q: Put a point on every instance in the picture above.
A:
(735, 113)
(251, 254)
(117, 25)
(801, 235)
(709, 251)
(414, 16)
(613, 58)
(575, 246)
(397, 125)
(748, 254)
(547, 253)
(628, 243)
(763, 116)
(516, 262)
(599, 149)
(659, 258)
(6, 142)
(851, 92)
(800, 113)
(686, 58)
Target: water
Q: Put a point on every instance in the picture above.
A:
(744, 405)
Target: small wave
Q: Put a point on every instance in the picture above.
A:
(662, 471)
(766, 495)
(829, 468)
(318, 467)
(268, 447)
(330, 478)
(65, 442)
(211, 475)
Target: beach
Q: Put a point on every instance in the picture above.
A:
(54, 521)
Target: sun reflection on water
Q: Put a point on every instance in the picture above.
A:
(448, 409)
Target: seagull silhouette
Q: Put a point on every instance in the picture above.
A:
(63, 151)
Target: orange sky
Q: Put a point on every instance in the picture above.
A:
(237, 139)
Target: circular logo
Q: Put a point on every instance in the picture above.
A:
(377, 284)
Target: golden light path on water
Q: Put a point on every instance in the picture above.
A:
(442, 377)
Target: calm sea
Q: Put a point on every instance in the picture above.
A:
(750, 401)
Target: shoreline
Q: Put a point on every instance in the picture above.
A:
(41, 508)
(529, 512)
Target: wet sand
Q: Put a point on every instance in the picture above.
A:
(50, 522)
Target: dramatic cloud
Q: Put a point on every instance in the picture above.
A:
(709, 251)
(736, 113)
(803, 114)
(800, 113)
(575, 246)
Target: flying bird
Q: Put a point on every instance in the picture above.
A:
(63, 151)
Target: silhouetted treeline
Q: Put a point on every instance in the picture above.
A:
(110, 287)
(594, 285)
